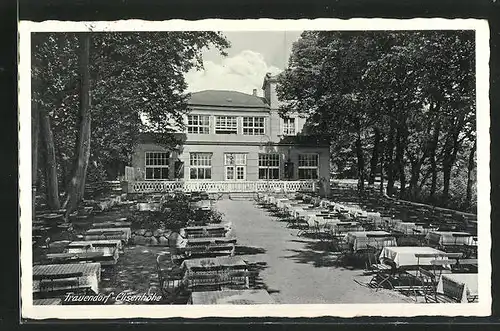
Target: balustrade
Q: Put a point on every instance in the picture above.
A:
(220, 186)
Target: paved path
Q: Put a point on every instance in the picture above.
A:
(298, 269)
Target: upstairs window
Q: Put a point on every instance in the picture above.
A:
(157, 164)
(198, 124)
(289, 126)
(269, 166)
(200, 165)
(253, 126)
(308, 166)
(226, 125)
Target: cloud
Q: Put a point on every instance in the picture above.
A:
(242, 72)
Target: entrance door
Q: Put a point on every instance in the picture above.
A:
(235, 165)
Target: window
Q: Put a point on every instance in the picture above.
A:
(157, 165)
(289, 126)
(198, 124)
(235, 165)
(269, 166)
(226, 125)
(253, 126)
(200, 165)
(308, 166)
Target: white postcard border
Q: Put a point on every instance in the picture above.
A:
(482, 308)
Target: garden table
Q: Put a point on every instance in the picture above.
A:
(361, 239)
(344, 227)
(450, 238)
(214, 271)
(316, 220)
(408, 256)
(231, 297)
(209, 241)
(467, 283)
(213, 263)
(115, 224)
(91, 274)
(109, 233)
(204, 231)
(280, 202)
(407, 227)
(102, 257)
(47, 302)
(96, 244)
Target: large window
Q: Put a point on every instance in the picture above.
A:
(226, 125)
(308, 166)
(200, 165)
(289, 126)
(253, 126)
(269, 166)
(157, 165)
(198, 124)
(235, 166)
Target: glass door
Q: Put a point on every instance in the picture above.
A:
(235, 165)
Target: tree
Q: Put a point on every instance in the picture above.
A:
(132, 75)
(77, 183)
(410, 92)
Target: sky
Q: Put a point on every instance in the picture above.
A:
(250, 57)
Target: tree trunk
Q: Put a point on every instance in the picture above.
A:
(432, 157)
(450, 156)
(374, 159)
(470, 169)
(361, 165)
(400, 147)
(381, 188)
(76, 185)
(35, 128)
(390, 160)
(415, 176)
(50, 162)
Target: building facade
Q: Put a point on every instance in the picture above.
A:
(236, 137)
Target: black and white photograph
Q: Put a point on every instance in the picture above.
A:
(254, 168)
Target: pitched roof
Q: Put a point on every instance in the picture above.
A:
(222, 98)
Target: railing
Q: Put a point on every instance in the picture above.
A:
(220, 186)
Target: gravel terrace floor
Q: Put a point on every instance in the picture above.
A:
(298, 271)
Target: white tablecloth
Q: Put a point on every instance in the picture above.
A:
(450, 282)
(405, 227)
(280, 203)
(405, 255)
(360, 239)
(91, 274)
(445, 238)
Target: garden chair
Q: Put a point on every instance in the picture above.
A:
(204, 281)
(431, 295)
(384, 273)
(170, 276)
(234, 279)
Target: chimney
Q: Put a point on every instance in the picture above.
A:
(254, 93)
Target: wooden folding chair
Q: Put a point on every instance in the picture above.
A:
(170, 277)
(383, 274)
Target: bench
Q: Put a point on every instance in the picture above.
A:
(60, 283)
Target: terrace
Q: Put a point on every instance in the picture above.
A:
(282, 248)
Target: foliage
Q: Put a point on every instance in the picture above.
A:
(175, 214)
(134, 75)
(417, 89)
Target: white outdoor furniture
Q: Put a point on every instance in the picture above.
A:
(54, 277)
(406, 256)
(465, 284)
(378, 239)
